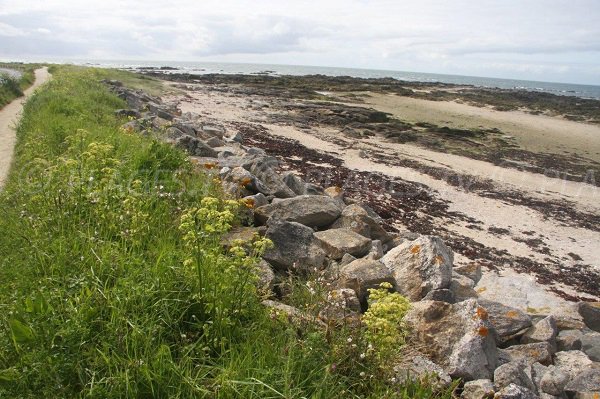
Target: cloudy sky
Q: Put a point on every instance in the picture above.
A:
(552, 40)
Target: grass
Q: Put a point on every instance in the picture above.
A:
(113, 282)
(13, 88)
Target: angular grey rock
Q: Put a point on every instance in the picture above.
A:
(443, 295)
(266, 276)
(569, 340)
(174, 133)
(585, 385)
(419, 368)
(195, 146)
(245, 234)
(214, 130)
(420, 266)
(508, 322)
(458, 337)
(553, 381)
(363, 274)
(273, 183)
(128, 113)
(471, 270)
(540, 352)
(337, 194)
(537, 372)
(310, 210)
(257, 200)
(235, 138)
(590, 345)
(294, 182)
(462, 287)
(514, 391)
(376, 251)
(590, 311)
(186, 127)
(215, 142)
(478, 389)
(544, 330)
(512, 372)
(337, 242)
(346, 259)
(313, 189)
(573, 363)
(293, 314)
(342, 306)
(362, 220)
(294, 247)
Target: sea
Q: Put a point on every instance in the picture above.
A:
(563, 89)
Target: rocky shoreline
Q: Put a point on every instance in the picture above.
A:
(338, 222)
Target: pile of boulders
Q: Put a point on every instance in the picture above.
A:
(498, 351)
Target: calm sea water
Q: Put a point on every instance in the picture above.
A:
(585, 91)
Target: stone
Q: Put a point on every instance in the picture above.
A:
(132, 126)
(590, 345)
(471, 270)
(537, 372)
(337, 194)
(235, 138)
(420, 266)
(292, 314)
(362, 220)
(512, 372)
(213, 130)
(186, 127)
(553, 381)
(294, 247)
(273, 183)
(568, 340)
(590, 311)
(376, 251)
(244, 234)
(514, 391)
(443, 295)
(266, 276)
(195, 146)
(508, 322)
(544, 330)
(459, 337)
(565, 322)
(342, 307)
(478, 389)
(310, 210)
(421, 369)
(586, 383)
(128, 113)
(256, 200)
(337, 242)
(363, 274)
(174, 133)
(462, 287)
(215, 142)
(313, 189)
(573, 363)
(346, 259)
(540, 352)
(294, 182)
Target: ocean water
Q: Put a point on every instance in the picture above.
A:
(566, 89)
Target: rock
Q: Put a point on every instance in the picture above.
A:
(273, 183)
(337, 242)
(342, 307)
(544, 330)
(173, 133)
(569, 340)
(310, 210)
(458, 337)
(363, 221)
(346, 259)
(478, 389)
(294, 247)
(443, 295)
(514, 391)
(132, 126)
(564, 322)
(553, 381)
(363, 274)
(313, 189)
(215, 142)
(540, 352)
(423, 370)
(186, 127)
(586, 383)
(195, 146)
(266, 277)
(508, 322)
(462, 287)
(590, 345)
(337, 194)
(256, 200)
(243, 234)
(510, 373)
(292, 314)
(573, 363)
(162, 111)
(128, 113)
(294, 182)
(213, 130)
(471, 270)
(590, 311)
(376, 251)
(537, 372)
(235, 138)
(420, 266)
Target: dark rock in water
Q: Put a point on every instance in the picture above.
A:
(590, 311)
(508, 322)
(586, 383)
(294, 247)
(128, 113)
(420, 266)
(458, 337)
(310, 210)
(337, 242)
(194, 146)
(362, 274)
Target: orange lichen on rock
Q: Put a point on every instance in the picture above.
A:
(482, 313)
(210, 165)
(483, 331)
(439, 260)
(245, 181)
(512, 314)
(415, 249)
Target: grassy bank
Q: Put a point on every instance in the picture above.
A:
(113, 283)
(13, 88)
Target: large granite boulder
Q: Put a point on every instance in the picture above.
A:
(540, 352)
(478, 389)
(510, 373)
(459, 337)
(294, 247)
(590, 345)
(421, 369)
(273, 184)
(544, 330)
(553, 381)
(585, 385)
(508, 322)
(590, 311)
(573, 363)
(362, 220)
(420, 266)
(337, 242)
(309, 210)
(514, 391)
(362, 274)
(194, 146)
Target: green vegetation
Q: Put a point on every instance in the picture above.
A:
(11, 88)
(113, 282)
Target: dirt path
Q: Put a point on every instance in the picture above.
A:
(9, 115)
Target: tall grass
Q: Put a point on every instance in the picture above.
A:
(11, 88)
(113, 283)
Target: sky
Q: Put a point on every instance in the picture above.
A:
(547, 40)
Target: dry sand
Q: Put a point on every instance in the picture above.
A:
(9, 116)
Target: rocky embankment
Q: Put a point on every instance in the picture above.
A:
(496, 350)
